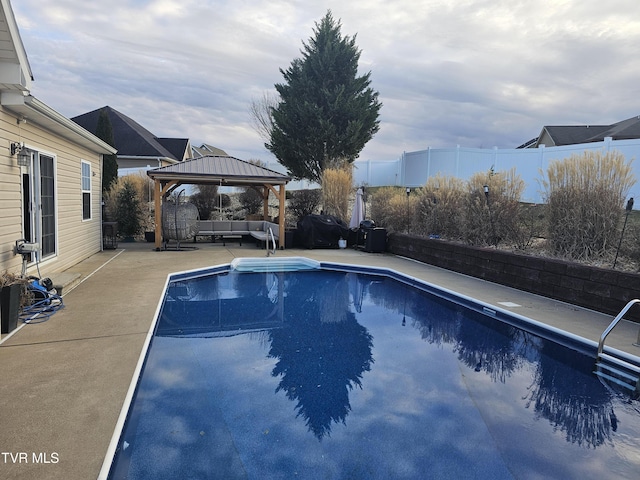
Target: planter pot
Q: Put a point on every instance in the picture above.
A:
(150, 236)
(9, 307)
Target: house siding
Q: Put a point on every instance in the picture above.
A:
(10, 194)
(77, 239)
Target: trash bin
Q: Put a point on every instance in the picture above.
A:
(365, 227)
(376, 240)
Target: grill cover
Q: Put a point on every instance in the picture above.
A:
(321, 231)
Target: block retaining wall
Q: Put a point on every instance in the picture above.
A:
(599, 289)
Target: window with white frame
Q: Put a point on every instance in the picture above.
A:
(86, 190)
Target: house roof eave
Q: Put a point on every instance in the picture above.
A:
(31, 109)
(16, 75)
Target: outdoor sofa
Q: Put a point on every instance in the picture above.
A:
(226, 229)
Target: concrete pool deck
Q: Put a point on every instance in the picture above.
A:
(65, 380)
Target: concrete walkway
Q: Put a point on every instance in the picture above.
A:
(65, 380)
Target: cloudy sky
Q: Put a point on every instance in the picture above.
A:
(478, 73)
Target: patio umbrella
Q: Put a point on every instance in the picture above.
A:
(358, 211)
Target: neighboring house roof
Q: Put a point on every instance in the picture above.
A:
(529, 144)
(179, 147)
(229, 171)
(624, 130)
(206, 149)
(132, 139)
(557, 135)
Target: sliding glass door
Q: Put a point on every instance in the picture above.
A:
(39, 203)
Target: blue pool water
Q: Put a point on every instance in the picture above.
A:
(344, 375)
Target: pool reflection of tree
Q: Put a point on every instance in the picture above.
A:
(322, 352)
(575, 403)
(583, 413)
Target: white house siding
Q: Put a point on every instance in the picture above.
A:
(76, 239)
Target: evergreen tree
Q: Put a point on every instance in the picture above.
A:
(327, 113)
(128, 210)
(104, 131)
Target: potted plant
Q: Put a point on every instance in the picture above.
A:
(13, 289)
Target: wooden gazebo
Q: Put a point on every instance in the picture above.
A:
(223, 171)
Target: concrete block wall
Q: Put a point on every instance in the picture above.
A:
(599, 289)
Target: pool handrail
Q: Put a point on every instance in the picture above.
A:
(615, 321)
(273, 240)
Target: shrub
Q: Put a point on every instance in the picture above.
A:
(205, 200)
(251, 200)
(128, 210)
(223, 200)
(494, 216)
(393, 210)
(585, 199)
(336, 187)
(440, 206)
(303, 202)
(143, 188)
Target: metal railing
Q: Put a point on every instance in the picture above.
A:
(615, 321)
(273, 240)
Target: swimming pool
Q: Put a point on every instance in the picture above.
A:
(334, 371)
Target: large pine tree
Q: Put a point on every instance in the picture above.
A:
(104, 131)
(327, 113)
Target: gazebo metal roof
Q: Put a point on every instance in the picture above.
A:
(215, 168)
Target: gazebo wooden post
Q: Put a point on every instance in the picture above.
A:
(265, 202)
(158, 213)
(282, 216)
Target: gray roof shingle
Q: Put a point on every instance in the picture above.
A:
(131, 138)
(574, 134)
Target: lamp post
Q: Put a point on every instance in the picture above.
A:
(493, 229)
(408, 217)
(628, 209)
(434, 230)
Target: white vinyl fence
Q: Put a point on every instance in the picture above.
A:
(413, 168)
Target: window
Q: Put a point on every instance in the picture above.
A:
(86, 190)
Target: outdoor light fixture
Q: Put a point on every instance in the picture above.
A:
(493, 228)
(23, 158)
(16, 147)
(23, 154)
(628, 209)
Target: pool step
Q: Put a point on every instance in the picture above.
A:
(274, 264)
(618, 371)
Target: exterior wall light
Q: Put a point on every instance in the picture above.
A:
(23, 154)
(16, 147)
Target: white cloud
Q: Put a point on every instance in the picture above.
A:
(474, 72)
